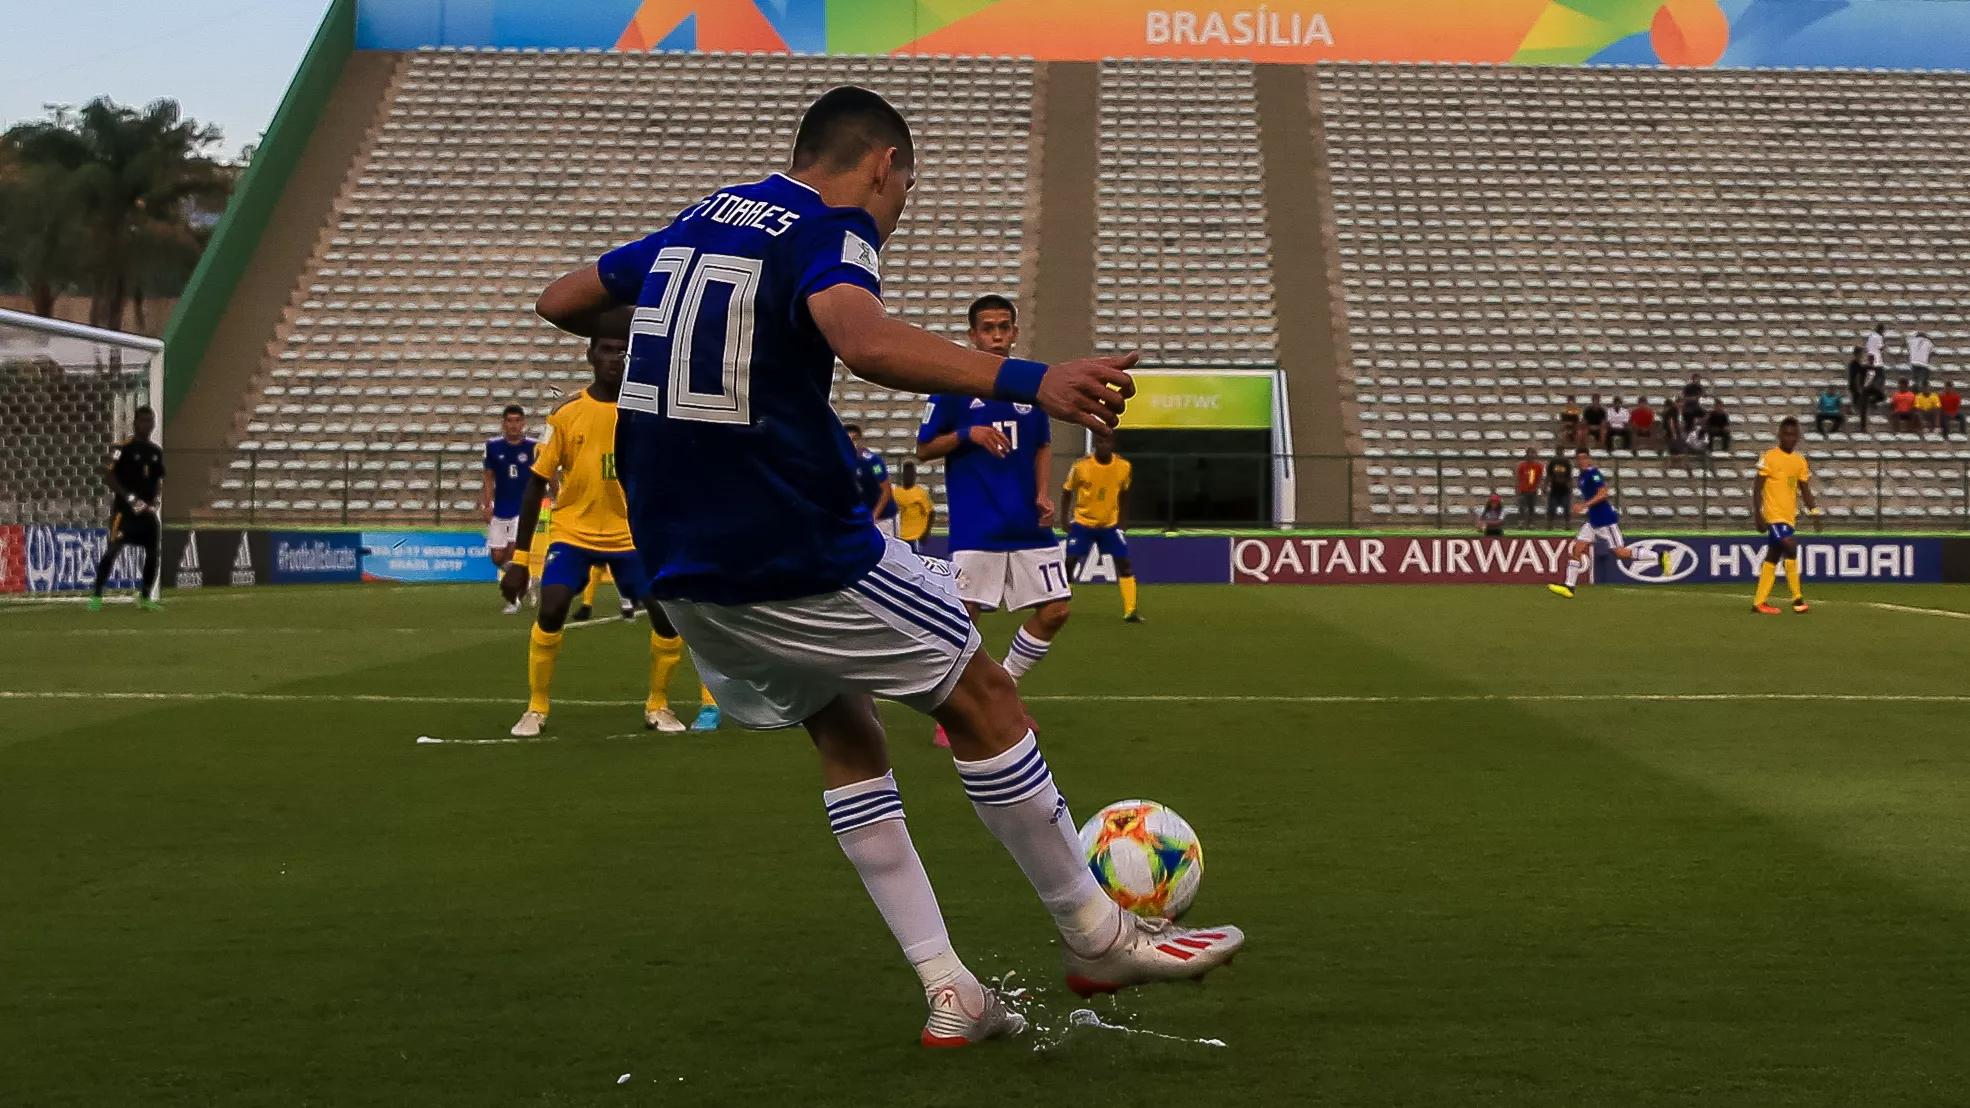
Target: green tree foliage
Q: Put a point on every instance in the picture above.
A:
(99, 200)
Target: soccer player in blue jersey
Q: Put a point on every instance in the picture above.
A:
(872, 474)
(798, 610)
(1601, 528)
(997, 484)
(509, 462)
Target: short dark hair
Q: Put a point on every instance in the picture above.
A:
(991, 301)
(145, 409)
(513, 409)
(852, 428)
(845, 124)
(1789, 421)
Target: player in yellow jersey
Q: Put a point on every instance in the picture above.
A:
(914, 511)
(1783, 481)
(1096, 506)
(591, 528)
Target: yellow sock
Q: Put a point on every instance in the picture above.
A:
(542, 648)
(704, 696)
(1128, 595)
(594, 581)
(1792, 581)
(665, 653)
(1767, 577)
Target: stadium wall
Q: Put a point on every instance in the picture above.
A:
(220, 269)
(1900, 34)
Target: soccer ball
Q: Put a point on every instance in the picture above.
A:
(1145, 857)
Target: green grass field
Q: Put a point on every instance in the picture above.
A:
(230, 875)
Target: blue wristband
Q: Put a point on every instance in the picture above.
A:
(1018, 380)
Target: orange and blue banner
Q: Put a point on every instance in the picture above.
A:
(1900, 34)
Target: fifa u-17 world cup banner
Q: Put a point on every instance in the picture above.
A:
(1907, 34)
(1396, 560)
(1704, 560)
(426, 556)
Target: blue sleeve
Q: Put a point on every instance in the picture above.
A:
(877, 469)
(492, 463)
(1043, 429)
(941, 419)
(837, 248)
(624, 268)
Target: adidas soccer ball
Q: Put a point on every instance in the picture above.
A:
(1144, 856)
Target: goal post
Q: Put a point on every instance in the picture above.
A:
(67, 393)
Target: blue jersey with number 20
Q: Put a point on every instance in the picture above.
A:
(740, 480)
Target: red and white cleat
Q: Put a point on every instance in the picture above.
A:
(1764, 609)
(1152, 950)
(965, 1012)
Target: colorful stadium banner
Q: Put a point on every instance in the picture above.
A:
(315, 557)
(425, 556)
(1395, 560)
(63, 559)
(13, 558)
(1168, 399)
(1904, 34)
(1700, 561)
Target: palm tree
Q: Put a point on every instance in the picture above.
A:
(37, 232)
(121, 181)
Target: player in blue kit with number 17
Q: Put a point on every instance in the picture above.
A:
(745, 509)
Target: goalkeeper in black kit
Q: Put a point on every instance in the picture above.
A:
(135, 476)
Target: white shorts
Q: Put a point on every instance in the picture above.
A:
(1012, 579)
(899, 633)
(1609, 536)
(502, 532)
(887, 527)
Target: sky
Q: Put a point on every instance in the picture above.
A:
(224, 61)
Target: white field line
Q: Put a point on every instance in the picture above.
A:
(1146, 698)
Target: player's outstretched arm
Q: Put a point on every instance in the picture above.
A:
(1089, 392)
(578, 303)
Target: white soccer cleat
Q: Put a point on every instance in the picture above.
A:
(1151, 950)
(529, 725)
(512, 608)
(965, 1012)
(662, 719)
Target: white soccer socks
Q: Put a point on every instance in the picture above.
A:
(1015, 797)
(1574, 568)
(1027, 651)
(867, 819)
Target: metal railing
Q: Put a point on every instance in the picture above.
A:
(1439, 491)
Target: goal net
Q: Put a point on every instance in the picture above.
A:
(67, 393)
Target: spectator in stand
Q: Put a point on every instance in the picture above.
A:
(1952, 408)
(1928, 408)
(1875, 342)
(1529, 473)
(1672, 426)
(1717, 428)
(1874, 393)
(1559, 489)
(1903, 403)
(1857, 370)
(1593, 424)
(1491, 517)
(1642, 420)
(1617, 426)
(1920, 351)
(1827, 416)
(1570, 422)
(1693, 391)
